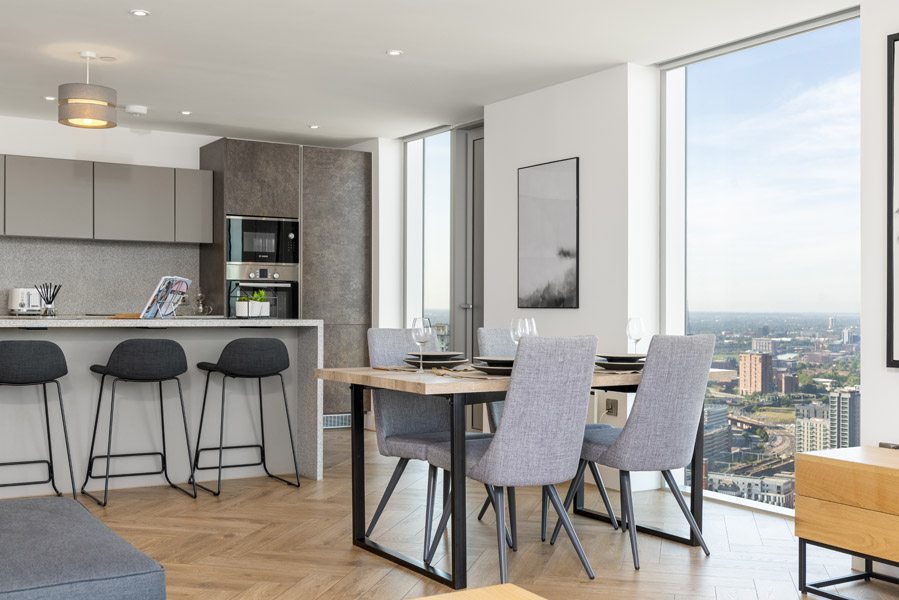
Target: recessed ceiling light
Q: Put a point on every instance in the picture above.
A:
(108, 58)
(314, 126)
(50, 98)
(186, 113)
(394, 52)
(136, 110)
(139, 12)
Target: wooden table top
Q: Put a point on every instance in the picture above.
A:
(430, 383)
(861, 456)
(506, 591)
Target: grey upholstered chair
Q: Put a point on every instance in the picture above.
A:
(539, 438)
(660, 432)
(406, 424)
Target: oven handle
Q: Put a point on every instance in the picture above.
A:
(263, 285)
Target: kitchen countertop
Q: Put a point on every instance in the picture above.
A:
(82, 321)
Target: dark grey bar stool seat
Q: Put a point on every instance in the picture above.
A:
(37, 362)
(139, 361)
(246, 358)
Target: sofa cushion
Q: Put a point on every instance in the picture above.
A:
(54, 549)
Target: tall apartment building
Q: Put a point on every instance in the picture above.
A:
(815, 410)
(787, 383)
(812, 434)
(756, 373)
(845, 418)
(716, 434)
(765, 346)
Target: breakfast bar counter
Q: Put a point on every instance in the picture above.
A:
(88, 340)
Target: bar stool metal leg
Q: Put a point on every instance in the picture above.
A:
(108, 451)
(190, 466)
(165, 463)
(50, 467)
(293, 449)
(193, 472)
(90, 454)
(65, 435)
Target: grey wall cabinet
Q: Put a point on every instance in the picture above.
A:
(134, 203)
(48, 197)
(261, 179)
(193, 206)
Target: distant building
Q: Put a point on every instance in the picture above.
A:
(787, 383)
(815, 410)
(777, 490)
(756, 373)
(845, 417)
(812, 434)
(831, 323)
(850, 336)
(765, 345)
(716, 433)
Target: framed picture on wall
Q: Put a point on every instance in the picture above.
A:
(548, 244)
(892, 207)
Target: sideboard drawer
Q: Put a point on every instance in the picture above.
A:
(862, 477)
(848, 527)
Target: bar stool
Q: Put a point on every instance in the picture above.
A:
(246, 358)
(27, 363)
(139, 361)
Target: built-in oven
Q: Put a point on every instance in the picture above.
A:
(279, 282)
(262, 240)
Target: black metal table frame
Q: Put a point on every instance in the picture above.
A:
(458, 579)
(867, 575)
(696, 466)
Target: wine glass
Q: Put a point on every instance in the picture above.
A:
(532, 325)
(635, 331)
(421, 335)
(518, 328)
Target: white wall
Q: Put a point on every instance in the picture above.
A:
(36, 137)
(609, 120)
(387, 230)
(880, 401)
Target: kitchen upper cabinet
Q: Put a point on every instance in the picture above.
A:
(261, 179)
(49, 197)
(193, 206)
(134, 203)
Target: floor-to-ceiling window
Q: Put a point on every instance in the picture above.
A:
(770, 142)
(429, 232)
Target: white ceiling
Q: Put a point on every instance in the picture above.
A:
(265, 69)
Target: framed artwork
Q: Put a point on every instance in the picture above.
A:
(548, 235)
(892, 208)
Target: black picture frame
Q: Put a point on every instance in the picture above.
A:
(892, 279)
(569, 301)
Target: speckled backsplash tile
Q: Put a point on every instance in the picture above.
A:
(96, 276)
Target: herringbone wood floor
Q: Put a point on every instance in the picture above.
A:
(262, 539)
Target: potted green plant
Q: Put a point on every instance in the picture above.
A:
(242, 307)
(259, 305)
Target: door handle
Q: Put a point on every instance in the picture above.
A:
(466, 306)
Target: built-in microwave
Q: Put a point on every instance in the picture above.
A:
(263, 240)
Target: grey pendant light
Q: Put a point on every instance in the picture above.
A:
(87, 105)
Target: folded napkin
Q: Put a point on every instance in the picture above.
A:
(396, 368)
(468, 374)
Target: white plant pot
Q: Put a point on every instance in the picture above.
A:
(259, 309)
(242, 309)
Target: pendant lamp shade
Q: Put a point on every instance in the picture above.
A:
(87, 105)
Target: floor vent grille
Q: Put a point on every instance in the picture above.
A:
(337, 421)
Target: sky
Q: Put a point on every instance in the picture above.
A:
(773, 176)
(437, 248)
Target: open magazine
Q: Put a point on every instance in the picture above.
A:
(167, 297)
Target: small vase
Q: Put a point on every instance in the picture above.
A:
(49, 310)
(242, 309)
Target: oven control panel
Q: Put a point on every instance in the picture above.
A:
(244, 272)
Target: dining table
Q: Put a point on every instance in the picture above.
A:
(461, 389)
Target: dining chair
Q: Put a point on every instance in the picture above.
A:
(538, 441)
(660, 432)
(497, 341)
(406, 424)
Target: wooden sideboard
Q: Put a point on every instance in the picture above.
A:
(848, 500)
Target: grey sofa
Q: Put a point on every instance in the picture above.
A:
(54, 549)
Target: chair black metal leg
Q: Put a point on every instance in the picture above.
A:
(108, 452)
(500, 530)
(193, 472)
(627, 493)
(569, 497)
(602, 492)
(441, 527)
(52, 473)
(165, 463)
(493, 502)
(293, 450)
(190, 466)
(429, 508)
(218, 489)
(513, 519)
(447, 478)
(90, 454)
(391, 485)
(487, 504)
(544, 505)
(672, 485)
(165, 454)
(65, 437)
(622, 498)
(569, 529)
